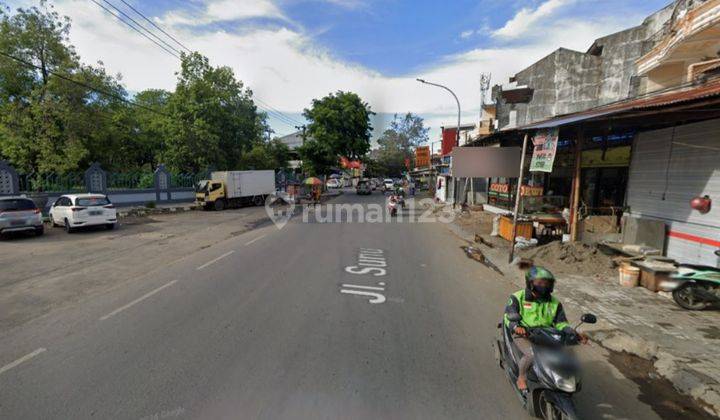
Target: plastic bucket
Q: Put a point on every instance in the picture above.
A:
(629, 276)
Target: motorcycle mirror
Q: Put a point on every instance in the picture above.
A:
(514, 317)
(588, 319)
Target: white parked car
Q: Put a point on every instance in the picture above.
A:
(78, 210)
(333, 183)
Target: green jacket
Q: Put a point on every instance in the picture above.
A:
(534, 312)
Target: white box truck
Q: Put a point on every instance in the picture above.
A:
(235, 188)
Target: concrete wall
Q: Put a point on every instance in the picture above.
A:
(137, 197)
(569, 81)
(620, 51)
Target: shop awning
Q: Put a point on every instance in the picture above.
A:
(486, 162)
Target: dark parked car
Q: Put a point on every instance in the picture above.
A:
(363, 188)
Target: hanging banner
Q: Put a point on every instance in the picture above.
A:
(543, 157)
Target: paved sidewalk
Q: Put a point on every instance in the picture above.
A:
(683, 345)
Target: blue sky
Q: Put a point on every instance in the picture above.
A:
(291, 51)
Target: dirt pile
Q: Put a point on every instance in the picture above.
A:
(571, 258)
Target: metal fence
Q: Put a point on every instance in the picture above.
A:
(70, 182)
(130, 180)
(160, 185)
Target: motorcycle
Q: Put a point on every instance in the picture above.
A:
(400, 199)
(555, 374)
(694, 287)
(392, 205)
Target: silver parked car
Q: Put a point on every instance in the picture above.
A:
(20, 214)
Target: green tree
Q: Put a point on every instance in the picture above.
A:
(48, 123)
(405, 133)
(398, 142)
(267, 155)
(214, 120)
(318, 158)
(339, 125)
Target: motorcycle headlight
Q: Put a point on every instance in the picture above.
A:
(568, 384)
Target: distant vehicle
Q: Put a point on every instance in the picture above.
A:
(388, 184)
(234, 188)
(19, 214)
(374, 184)
(79, 210)
(333, 183)
(363, 188)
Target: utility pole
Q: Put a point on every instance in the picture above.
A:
(484, 87)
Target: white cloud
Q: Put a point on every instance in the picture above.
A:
(225, 10)
(285, 68)
(466, 34)
(526, 19)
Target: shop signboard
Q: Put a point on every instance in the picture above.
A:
(609, 158)
(422, 156)
(543, 157)
(525, 190)
(531, 191)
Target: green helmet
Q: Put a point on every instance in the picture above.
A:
(535, 273)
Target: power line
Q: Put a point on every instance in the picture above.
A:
(279, 115)
(173, 52)
(83, 84)
(291, 119)
(155, 25)
(141, 26)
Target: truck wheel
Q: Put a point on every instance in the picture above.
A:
(258, 200)
(219, 205)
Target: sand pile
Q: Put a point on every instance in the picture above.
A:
(571, 258)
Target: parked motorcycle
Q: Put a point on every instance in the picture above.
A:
(555, 373)
(694, 287)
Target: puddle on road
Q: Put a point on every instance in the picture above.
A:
(655, 391)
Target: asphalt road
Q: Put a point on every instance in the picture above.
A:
(257, 326)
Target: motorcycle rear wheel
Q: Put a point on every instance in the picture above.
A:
(683, 296)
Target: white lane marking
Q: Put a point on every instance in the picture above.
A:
(215, 260)
(21, 360)
(136, 301)
(354, 286)
(377, 297)
(254, 240)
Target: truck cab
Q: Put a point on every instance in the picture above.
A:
(210, 194)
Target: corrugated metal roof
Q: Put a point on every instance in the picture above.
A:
(682, 95)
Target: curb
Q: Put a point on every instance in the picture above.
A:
(145, 211)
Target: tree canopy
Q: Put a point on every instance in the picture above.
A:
(398, 143)
(339, 125)
(58, 114)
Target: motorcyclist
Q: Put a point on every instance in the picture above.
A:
(537, 308)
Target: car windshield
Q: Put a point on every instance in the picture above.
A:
(92, 201)
(202, 186)
(18, 204)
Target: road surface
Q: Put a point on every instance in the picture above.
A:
(271, 324)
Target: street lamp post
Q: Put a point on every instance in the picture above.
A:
(457, 132)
